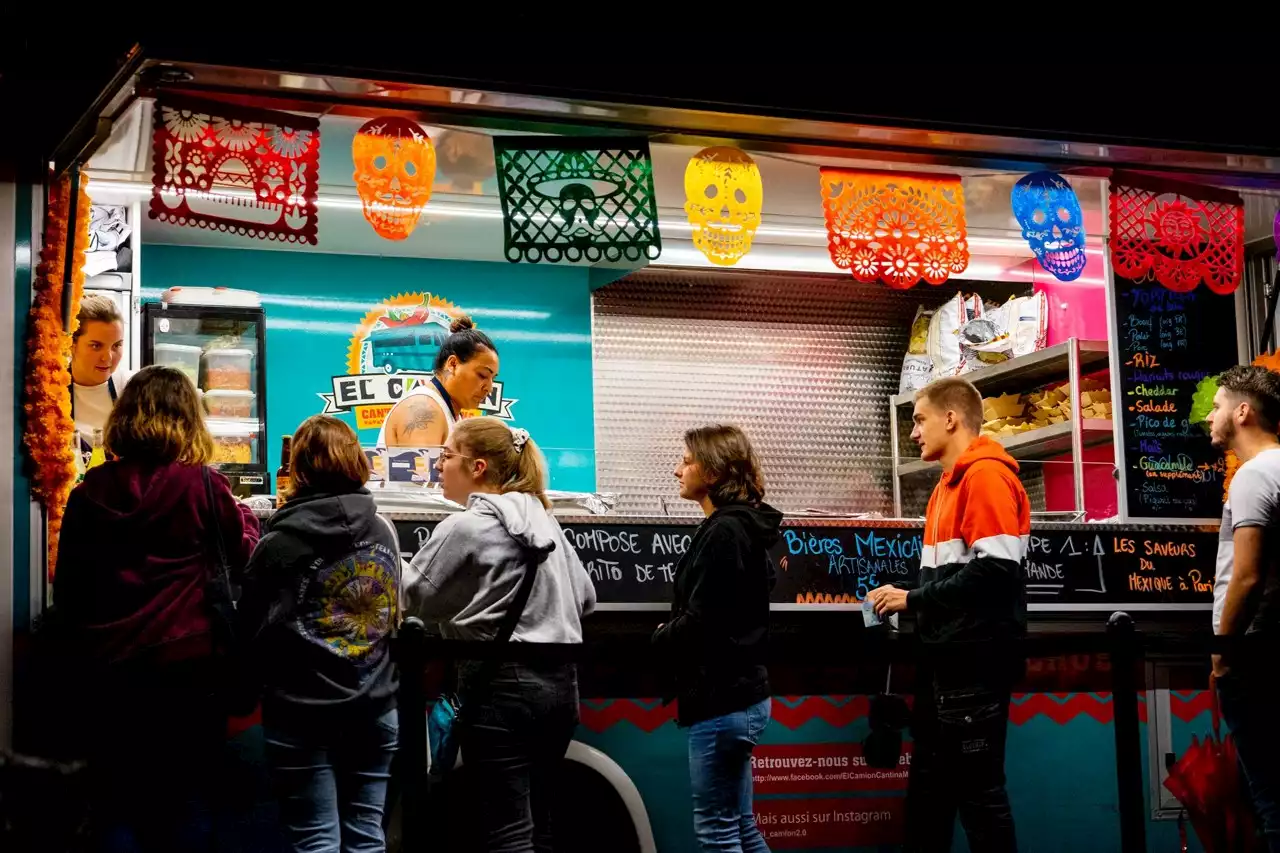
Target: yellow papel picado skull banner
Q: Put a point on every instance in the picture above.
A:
(724, 197)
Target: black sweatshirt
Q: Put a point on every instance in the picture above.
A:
(320, 603)
(720, 613)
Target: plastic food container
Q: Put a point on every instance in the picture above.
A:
(233, 449)
(185, 358)
(229, 404)
(228, 370)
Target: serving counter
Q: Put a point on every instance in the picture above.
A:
(829, 563)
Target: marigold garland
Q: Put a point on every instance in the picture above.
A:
(49, 429)
(1271, 361)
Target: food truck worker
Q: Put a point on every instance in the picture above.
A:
(97, 347)
(970, 605)
(464, 371)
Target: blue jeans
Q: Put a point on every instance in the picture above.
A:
(720, 770)
(331, 781)
(1250, 702)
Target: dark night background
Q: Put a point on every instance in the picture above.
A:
(1172, 95)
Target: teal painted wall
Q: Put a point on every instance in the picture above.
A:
(539, 317)
(1061, 778)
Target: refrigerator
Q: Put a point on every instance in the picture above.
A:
(223, 350)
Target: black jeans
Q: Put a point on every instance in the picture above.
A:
(958, 766)
(512, 744)
(1250, 703)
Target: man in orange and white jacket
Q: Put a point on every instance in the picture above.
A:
(970, 609)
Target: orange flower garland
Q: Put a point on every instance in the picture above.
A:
(1271, 361)
(49, 429)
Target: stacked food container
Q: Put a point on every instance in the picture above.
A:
(216, 336)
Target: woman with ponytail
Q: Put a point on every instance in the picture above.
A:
(468, 577)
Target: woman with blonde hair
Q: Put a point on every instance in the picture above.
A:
(321, 602)
(139, 546)
(97, 348)
(505, 558)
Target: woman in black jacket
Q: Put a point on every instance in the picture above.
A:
(322, 597)
(718, 628)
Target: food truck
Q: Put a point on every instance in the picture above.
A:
(301, 241)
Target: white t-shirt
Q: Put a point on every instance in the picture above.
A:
(92, 403)
(1252, 501)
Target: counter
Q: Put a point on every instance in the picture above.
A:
(830, 563)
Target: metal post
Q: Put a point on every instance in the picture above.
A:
(68, 266)
(413, 735)
(897, 452)
(1124, 703)
(1077, 426)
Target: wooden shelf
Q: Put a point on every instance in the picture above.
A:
(1028, 372)
(1035, 444)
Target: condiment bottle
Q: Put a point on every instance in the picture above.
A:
(77, 448)
(284, 479)
(98, 456)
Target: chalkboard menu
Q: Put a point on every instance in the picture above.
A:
(1169, 342)
(1102, 567)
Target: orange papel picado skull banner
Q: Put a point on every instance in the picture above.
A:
(895, 227)
(395, 170)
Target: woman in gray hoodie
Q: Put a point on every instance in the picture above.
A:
(514, 737)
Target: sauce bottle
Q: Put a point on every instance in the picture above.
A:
(77, 448)
(98, 456)
(284, 479)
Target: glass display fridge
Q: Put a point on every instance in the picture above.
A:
(223, 349)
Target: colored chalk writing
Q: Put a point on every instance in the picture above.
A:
(1168, 343)
(827, 564)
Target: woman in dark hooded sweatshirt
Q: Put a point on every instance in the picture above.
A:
(718, 628)
(322, 599)
(133, 563)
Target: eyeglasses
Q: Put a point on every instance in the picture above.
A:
(446, 455)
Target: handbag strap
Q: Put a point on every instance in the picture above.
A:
(221, 567)
(530, 559)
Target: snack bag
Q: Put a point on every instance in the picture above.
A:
(944, 335)
(917, 366)
(985, 340)
(1028, 322)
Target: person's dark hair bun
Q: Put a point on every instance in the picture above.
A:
(464, 341)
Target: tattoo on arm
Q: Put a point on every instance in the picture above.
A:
(420, 414)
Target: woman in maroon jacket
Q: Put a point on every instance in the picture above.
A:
(134, 560)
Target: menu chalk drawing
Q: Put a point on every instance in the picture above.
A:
(820, 564)
(1168, 342)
